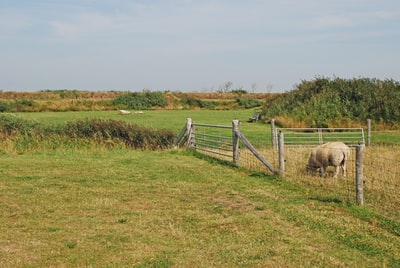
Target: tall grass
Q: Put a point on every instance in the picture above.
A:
(20, 135)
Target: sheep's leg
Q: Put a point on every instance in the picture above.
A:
(344, 170)
(336, 172)
(322, 171)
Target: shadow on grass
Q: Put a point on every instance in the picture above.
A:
(212, 160)
(327, 199)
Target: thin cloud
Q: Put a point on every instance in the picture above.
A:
(354, 19)
(193, 43)
(83, 25)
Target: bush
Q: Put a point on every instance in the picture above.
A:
(11, 125)
(4, 107)
(112, 130)
(192, 102)
(322, 102)
(249, 103)
(140, 101)
(99, 131)
(21, 105)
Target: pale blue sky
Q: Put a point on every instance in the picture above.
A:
(194, 45)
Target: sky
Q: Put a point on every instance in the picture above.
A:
(194, 45)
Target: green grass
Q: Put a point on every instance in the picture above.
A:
(385, 137)
(175, 120)
(84, 205)
(152, 118)
(117, 208)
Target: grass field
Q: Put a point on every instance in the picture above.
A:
(153, 118)
(93, 207)
(176, 120)
(172, 209)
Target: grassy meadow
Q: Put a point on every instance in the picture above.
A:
(117, 208)
(89, 206)
(171, 119)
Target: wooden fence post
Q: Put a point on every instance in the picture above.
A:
(368, 132)
(190, 130)
(273, 133)
(359, 175)
(281, 154)
(235, 141)
(320, 138)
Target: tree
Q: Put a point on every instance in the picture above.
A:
(227, 87)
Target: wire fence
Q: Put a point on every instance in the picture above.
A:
(381, 168)
(381, 175)
(314, 136)
(295, 160)
(382, 179)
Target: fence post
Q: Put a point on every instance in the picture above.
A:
(368, 132)
(359, 175)
(235, 141)
(190, 130)
(273, 133)
(281, 154)
(320, 140)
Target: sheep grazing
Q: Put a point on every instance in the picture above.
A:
(123, 112)
(329, 154)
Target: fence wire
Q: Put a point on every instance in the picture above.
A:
(381, 176)
(382, 179)
(381, 170)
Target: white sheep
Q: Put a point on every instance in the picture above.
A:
(329, 154)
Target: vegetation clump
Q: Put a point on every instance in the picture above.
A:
(249, 103)
(4, 107)
(11, 125)
(73, 100)
(198, 103)
(325, 102)
(27, 134)
(140, 101)
(132, 135)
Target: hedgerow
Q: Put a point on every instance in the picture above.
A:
(323, 101)
(249, 103)
(132, 135)
(103, 132)
(140, 100)
(193, 102)
(12, 125)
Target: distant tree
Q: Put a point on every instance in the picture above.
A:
(269, 87)
(225, 88)
(253, 87)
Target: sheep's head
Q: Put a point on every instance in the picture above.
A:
(312, 165)
(311, 168)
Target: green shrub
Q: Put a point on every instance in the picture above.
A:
(140, 101)
(27, 135)
(249, 103)
(11, 125)
(192, 102)
(239, 91)
(4, 107)
(21, 105)
(132, 135)
(323, 101)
